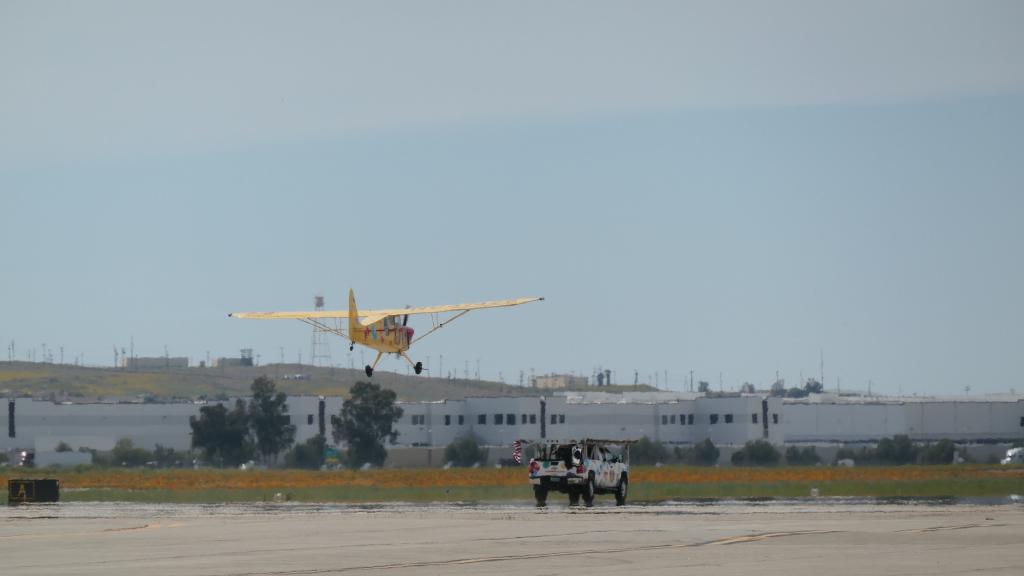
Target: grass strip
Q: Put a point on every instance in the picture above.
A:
(639, 492)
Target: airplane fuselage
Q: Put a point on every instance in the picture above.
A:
(387, 335)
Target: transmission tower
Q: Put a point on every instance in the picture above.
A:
(321, 352)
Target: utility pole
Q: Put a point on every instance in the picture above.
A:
(823, 367)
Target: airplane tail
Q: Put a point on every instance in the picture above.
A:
(353, 314)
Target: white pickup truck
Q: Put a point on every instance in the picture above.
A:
(581, 468)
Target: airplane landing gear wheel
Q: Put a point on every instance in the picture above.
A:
(418, 367)
(369, 371)
(351, 346)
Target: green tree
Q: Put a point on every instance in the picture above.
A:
(365, 422)
(465, 451)
(898, 450)
(796, 393)
(169, 457)
(756, 453)
(778, 388)
(63, 446)
(222, 435)
(268, 418)
(703, 387)
(126, 454)
(806, 456)
(812, 386)
(705, 453)
(646, 452)
(747, 388)
(309, 454)
(940, 452)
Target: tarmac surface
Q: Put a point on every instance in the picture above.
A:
(793, 538)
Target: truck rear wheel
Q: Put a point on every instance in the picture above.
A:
(574, 498)
(541, 494)
(620, 492)
(588, 492)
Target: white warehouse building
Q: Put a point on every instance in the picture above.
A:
(671, 418)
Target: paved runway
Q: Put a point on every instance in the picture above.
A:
(724, 539)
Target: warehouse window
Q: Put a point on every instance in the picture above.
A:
(524, 420)
(481, 419)
(499, 419)
(561, 418)
(418, 419)
(753, 418)
(447, 419)
(510, 419)
(689, 419)
(664, 419)
(533, 418)
(554, 418)
(775, 418)
(714, 418)
(682, 419)
(672, 419)
(728, 418)
(462, 419)
(309, 419)
(1022, 421)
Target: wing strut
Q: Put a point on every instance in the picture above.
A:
(324, 327)
(438, 325)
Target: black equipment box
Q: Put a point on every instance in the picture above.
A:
(33, 490)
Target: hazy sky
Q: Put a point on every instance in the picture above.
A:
(729, 187)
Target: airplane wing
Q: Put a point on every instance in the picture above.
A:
(371, 316)
(446, 308)
(293, 315)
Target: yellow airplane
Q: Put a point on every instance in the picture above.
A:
(381, 329)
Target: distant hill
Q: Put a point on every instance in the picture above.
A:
(75, 383)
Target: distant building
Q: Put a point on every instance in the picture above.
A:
(983, 426)
(154, 362)
(245, 359)
(559, 382)
(232, 362)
